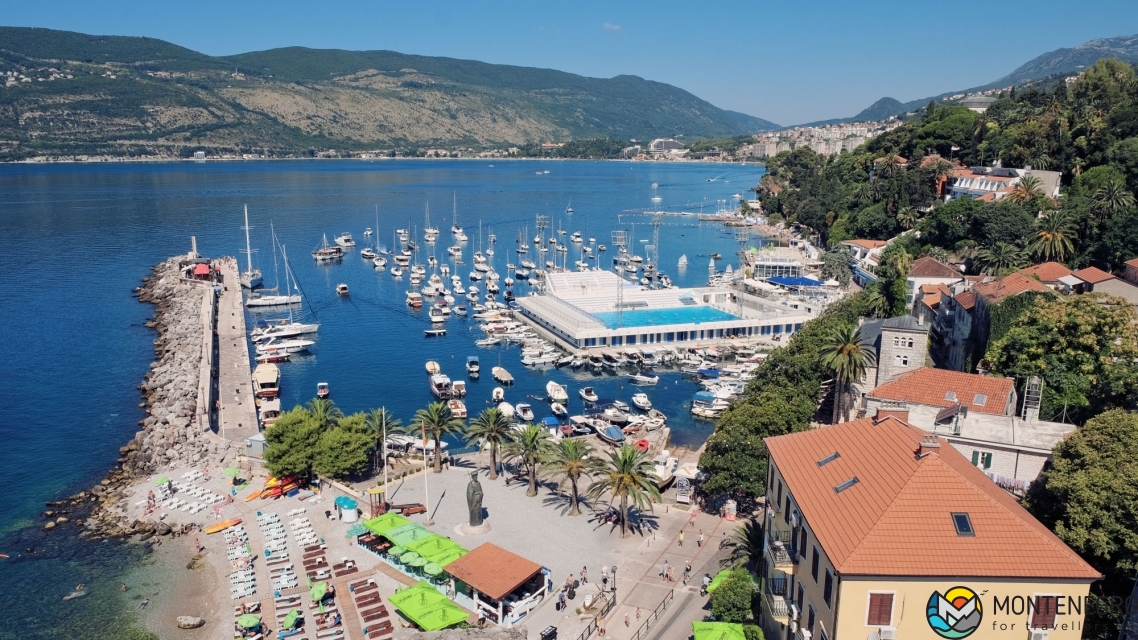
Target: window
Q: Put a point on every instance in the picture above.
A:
(801, 596)
(802, 543)
(814, 560)
(786, 514)
(980, 399)
(950, 396)
(963, 524)
(900, 360)
(779, 503)
(828, 459)
(910, 343)
(896, 341)
(981, 459)
(1043, 611)
(880, 610)
(828, 589)
(810, 621)
(846, 485)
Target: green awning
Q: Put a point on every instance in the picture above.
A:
(717, 631)
(231, 472)
(318, 590)
(409, 557)
(249, 620)
(407, 534)
(161, 480)
(432, 569)
(718, 579)
(448, 557)
(290, 619)
(430, 610)
(431, 545)
(385, 522)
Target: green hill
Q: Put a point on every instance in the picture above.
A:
(85, 94)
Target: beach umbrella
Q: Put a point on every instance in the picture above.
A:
(290, 619)
(406, 558)
(432, 569)
(231, 472)
(161, 480)
(396, 551)
(249, 620)
(318, 590)
(418, 562)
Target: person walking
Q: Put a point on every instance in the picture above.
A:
(723, 540)
(699, 542)
(637, 613)
(687, 572)
(626, 620)
(664, 569)
(681, 538)
(691, 520)
(670, 575)
(584, 575)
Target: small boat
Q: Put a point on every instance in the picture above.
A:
(414, 299)
(222, 526)
(611, 435)
(642, 445)
(524, 411)
(683, 261)
(379, 262)
(284, 346)
(367, 232)
(267, 381)
(472, 365)
(569, 208)
(641, 401)
(506, 409)
(498, 395)
(502, 376)
(433, 368)
(344, 240)
(396, 272)
(556, 393)
(588, 395)
(457, 408)
(274, 357)
(322, 390)
(458, 389)
(368, 253)
(460, 310)
(559, 410)
(342, 289)
(644, 377)
(441, 386)
(434, 333)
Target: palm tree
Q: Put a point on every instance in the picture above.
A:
(1027, 191)
(569, 460)
(1111, 199)
(848, 356)
(890, 166)
(529, 447)
(490, 427)
(876, 302)
(627, 476)
(907, 218)
(436, 421)
(746, 546)
(1002, 257)
(381, 422)
(942, 170)
(868, 193)
(1054, 235)
(324, 412)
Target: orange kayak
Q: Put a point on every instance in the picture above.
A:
(254, 495)
(222, 526)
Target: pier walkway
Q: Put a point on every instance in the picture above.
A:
(238, 415)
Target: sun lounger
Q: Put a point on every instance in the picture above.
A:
(314, 547)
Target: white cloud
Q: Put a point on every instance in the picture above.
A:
(612, 27)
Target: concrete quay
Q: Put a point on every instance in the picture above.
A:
(237, 409)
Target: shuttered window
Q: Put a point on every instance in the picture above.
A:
(1043, 615)
(880, 610)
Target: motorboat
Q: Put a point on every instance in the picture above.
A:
(576, 237)
(475, 276)
(457, 408)
(284, 346)
(664, 468)
(322, 390)
(506, 409)
(502, 376)
(610, 434)
(524, 411)
(489, 342)
(644, 377)
(268, 411)
(368, 253)
(367, 232)
(556, 393)
(559, 410)
(434, 333)
(527, 264)
(584, 425)
(440, 386)
(641, 401)
(433, 368)
(458, 389)
(342, 289)
(344, 240)
(434, 314)
(472, 365)
(266, 381)
(545, 357)
(460, 309)
(498, 395)
(284, 329)
(588, 395)
(414, 299)
(273, 357)
(328, 253)
(619, 404)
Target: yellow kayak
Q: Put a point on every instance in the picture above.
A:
(222, 526)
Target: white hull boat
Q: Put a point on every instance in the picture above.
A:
(284, 346)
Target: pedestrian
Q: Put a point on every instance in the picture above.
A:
(560, 601)
(723, 540)
(601, 627)
(569, 582)
(481, 618)
(691, 521)
(198, 544)
(670, 575)
(626, 620)
(663, 568)
(687, 572)
(584, 575)
(604, 571)
(681, 538)
(699, 543)
(637, 613)
(604, 583)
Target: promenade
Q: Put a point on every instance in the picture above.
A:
(237, 417)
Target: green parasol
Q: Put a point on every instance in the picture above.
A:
(290, 619)
(161, 480)
(408, 557)
(426, 607)
(418, 562)
(432, 545)
(718, 579)
(249, 620)
(318, 590)
(396, 551)
(231, 472)
(717, 631)
(407, 534)
(385, 522)
(448, 557)
(432, 569)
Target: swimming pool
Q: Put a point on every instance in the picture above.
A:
(659, 317)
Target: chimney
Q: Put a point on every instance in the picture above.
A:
(929, 444)
(900, 414)
(920, 319)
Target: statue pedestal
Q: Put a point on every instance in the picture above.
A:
(466, 530)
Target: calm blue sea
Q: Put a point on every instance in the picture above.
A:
(75, 239)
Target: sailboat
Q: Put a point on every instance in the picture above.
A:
(569, 208)
(250, 278)
(429, 233)
(459, 234)
(275, 300)
(283, 328)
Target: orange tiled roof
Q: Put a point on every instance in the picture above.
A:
(928, 267)
(1131, 263)
(1010, 285)
(932, 387)
(932, 294)
(1047, 271)
(492, 570)
(900, 159)
(867, 244)
(987, 197)
(1092, 275)
(966, 299)
(897, 520)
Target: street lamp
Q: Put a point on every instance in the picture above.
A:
(614, 581)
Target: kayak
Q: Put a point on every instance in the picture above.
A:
(254, 495)
(222, 526)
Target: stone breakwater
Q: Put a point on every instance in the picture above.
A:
(174, 433)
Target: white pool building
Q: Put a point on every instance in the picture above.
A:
(585, 310)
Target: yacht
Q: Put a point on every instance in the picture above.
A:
(327, 253)
(368, 253)
(250, 278)
(524, 411)
(429, 233)
(440, 386)
(344, 240)
(569, 208)
(367, 232)
(342, 289)
(283, 346)
(414, 299)
(641, 401)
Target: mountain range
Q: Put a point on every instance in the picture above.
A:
(116, 95)
(1060, 62)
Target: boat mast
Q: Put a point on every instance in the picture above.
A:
(248, 249)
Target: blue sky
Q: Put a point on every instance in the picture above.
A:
(789, 62)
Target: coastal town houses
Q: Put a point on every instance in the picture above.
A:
(930, 271)
(991, 184)
(869, 521)
(866, 255)
(899, 345)
(961, 328)
(981, 416)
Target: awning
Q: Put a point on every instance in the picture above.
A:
(427, 608)
(786, 281)
(201, 270)
(717, 631)
(385, 522)
(407, 534)
(759, 284)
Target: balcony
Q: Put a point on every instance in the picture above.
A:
(782, 555)
(777, 608)
(777, 586)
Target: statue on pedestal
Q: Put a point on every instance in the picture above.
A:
(474, 500)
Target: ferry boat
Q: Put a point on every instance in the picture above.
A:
(267, 380)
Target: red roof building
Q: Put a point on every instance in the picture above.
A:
(943, 388)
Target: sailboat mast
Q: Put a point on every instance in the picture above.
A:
(248, 249)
